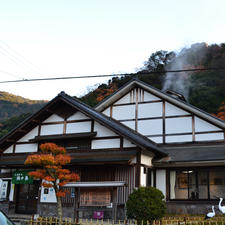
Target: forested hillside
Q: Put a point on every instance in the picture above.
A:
(203, 89)
(14, 109)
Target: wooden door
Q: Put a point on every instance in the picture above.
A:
(27, 198)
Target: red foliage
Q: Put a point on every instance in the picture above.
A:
(38, 174)
(61, 193)
(52, 159)
(49, 178)
(102, 93)
(46, 185)
(65, 171)
(221, 112)
(62, 159)
(33, 160)
(52, 148)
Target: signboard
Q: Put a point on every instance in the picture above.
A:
(95, 198)
(48, 195)
(21, 177)
(3, 191)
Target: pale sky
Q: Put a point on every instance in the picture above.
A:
(52, 38)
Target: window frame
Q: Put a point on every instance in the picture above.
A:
(196, 171)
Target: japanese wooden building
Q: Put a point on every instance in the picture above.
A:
(139, 136)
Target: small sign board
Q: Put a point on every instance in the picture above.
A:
(21, 177)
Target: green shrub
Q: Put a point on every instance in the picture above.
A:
(146, 204)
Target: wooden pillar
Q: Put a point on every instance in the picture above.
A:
(76, 205)
(114, 209)
(138, 170)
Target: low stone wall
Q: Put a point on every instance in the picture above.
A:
(50, 209)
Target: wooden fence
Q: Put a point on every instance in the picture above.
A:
(164, 221)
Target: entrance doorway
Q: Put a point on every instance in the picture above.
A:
(27, 198)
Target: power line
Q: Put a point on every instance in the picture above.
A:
(111, 75)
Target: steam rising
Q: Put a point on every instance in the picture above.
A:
(186, 59)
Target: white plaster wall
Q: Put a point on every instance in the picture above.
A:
(157, 140)
(130, 124)
(171, 110)
(209, 137)
(9, 149)
(150, 127)
(143, 177)
(29, 135)
(150, 97)
(123, 112)
(77, 116)
(107, 111)
(104, 144)
(150, 110)
(125, 99)
(103, 131)
(51, 129)
(78, 127)
(146, 160)
(201, 126)
(26, 148)
(179, 138)
(127, 144)
(53, 118)
(179, 125)
(161, 180)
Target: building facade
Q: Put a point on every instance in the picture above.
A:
(139, 136)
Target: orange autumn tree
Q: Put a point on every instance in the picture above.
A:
(51, 159)
(221, 112)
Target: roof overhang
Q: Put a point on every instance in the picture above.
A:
(96, 184)
(64, 136)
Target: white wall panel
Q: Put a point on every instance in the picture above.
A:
(26, 148)
(125, 99)
(124, 112)
(130, 124)
(107, 111)
(201, 125)
(171, 110)
(104, 144)
(51, 129)
(127, 144)
(209, 137)
(29, 135)
(9, 149)
(179, 125)
(179, 138)
(157, 140)
(150, 110)
(78, 116)
(103, 131)
(150, 97)
(146, 160)
(150, 127)
(161, 180)
(53, 118)
(143, 177)
(78, 127)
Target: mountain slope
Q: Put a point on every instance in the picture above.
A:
(13, 105)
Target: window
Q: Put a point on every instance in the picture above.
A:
(197, 184)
